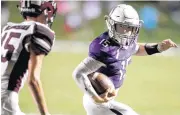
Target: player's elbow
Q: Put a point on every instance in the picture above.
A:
(76, 74)
(80, 71)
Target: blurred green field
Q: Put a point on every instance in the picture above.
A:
(151, 87)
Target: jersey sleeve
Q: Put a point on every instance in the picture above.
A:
(42, 40)
(96, 51)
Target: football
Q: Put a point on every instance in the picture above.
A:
(100, 82)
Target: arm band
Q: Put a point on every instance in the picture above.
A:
(151, 49)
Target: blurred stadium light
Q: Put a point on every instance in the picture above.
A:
(150, 16)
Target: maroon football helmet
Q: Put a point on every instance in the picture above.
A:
(34, 8)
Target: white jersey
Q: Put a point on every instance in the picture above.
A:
(16, 39)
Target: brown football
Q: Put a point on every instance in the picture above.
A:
(100, 82)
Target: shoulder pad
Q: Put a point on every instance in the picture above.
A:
(45, 30)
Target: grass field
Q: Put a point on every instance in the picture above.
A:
(151, 87)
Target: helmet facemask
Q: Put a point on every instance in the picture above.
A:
(49, 9)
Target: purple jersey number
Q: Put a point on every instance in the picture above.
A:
(124, 64)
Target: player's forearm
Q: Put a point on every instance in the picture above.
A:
(147, 49)
(80, 76)
(87, 66)
(38, 94)
(83, 82)
(141, 51)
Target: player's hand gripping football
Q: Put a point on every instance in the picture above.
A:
(105, 97)
(109, 94)
(166, 44)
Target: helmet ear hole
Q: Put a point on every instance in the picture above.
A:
(48, 9)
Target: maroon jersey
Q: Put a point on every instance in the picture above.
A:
(16, 40)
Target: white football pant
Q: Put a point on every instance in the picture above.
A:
(110, 108)
(9, 103)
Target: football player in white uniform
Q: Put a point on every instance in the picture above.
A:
(23, 47)
(109, 54)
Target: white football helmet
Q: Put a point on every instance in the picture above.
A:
(123, 24)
